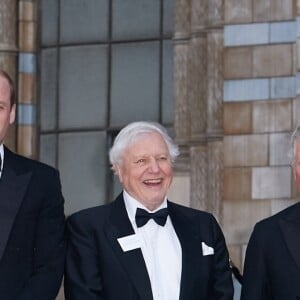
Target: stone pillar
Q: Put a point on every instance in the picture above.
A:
(182, 118)
(215, 121)
(215, 83)
(215, 13)
(181, 76)
(8, 51)
(215, 172)
(199, 187)
(199, 98)
(27, 131)
(198, 86)
(182, 112)
(198, 70)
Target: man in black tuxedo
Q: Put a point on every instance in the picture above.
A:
(272, 263)
(142, 246)
(31, 218)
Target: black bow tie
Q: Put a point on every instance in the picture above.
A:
(142, 217)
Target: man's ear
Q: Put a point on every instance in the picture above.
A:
(12, 114)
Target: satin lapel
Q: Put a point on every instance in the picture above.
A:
(132, 261)
(12, 190)
(191, 249)
(290, 229)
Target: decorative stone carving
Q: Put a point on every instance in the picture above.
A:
(199, 192)
(199, 15)
(182, 111)
(8, 9)
(215, 13)
(215, 178)
(182, 19)
(215, 82)
(198, 86)
(207, 177)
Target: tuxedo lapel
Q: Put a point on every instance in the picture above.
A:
(290, 228)
(191, 249)
(132, 261)
(12, 190)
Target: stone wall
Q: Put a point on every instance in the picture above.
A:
(236, 94)
(261, 108)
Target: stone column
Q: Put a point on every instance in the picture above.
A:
(27, 131)
(215, 171)
(8, 51)
(181, 75)
(198, 69)
(181, 82)
(215, 83)
(199, 98)
(199, 187)
(206, 177)
(182, 118)
(215, 106)
(198, 86)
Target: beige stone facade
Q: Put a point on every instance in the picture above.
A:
(254, 111)
(258, 180)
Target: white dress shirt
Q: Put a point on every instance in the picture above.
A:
(2, 158)
(161, 251)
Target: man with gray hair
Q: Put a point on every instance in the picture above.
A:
(272, 263)
(142, 246)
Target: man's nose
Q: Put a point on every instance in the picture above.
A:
(154, 166)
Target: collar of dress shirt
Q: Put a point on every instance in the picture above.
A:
(2, 156)
(132, 204)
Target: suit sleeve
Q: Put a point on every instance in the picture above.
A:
(49, 244)
(82, 271)
(255, 277)
(222, 277)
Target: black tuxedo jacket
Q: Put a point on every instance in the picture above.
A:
(272, 263)
(98, 269)
(31, 230)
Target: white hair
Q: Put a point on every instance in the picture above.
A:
(132, 132)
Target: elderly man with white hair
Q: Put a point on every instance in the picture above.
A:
(142, 246)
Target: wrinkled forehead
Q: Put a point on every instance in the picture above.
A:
(143, 139)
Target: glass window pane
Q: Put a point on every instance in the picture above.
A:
(83, 167)
(169, 16)
(48, 89)
(135, 83)
(83, 87)
(49, 13)
(83, 21)
(135, 19)
(48, 149)
(167, 84)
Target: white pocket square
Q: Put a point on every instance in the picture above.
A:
(206, 250)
